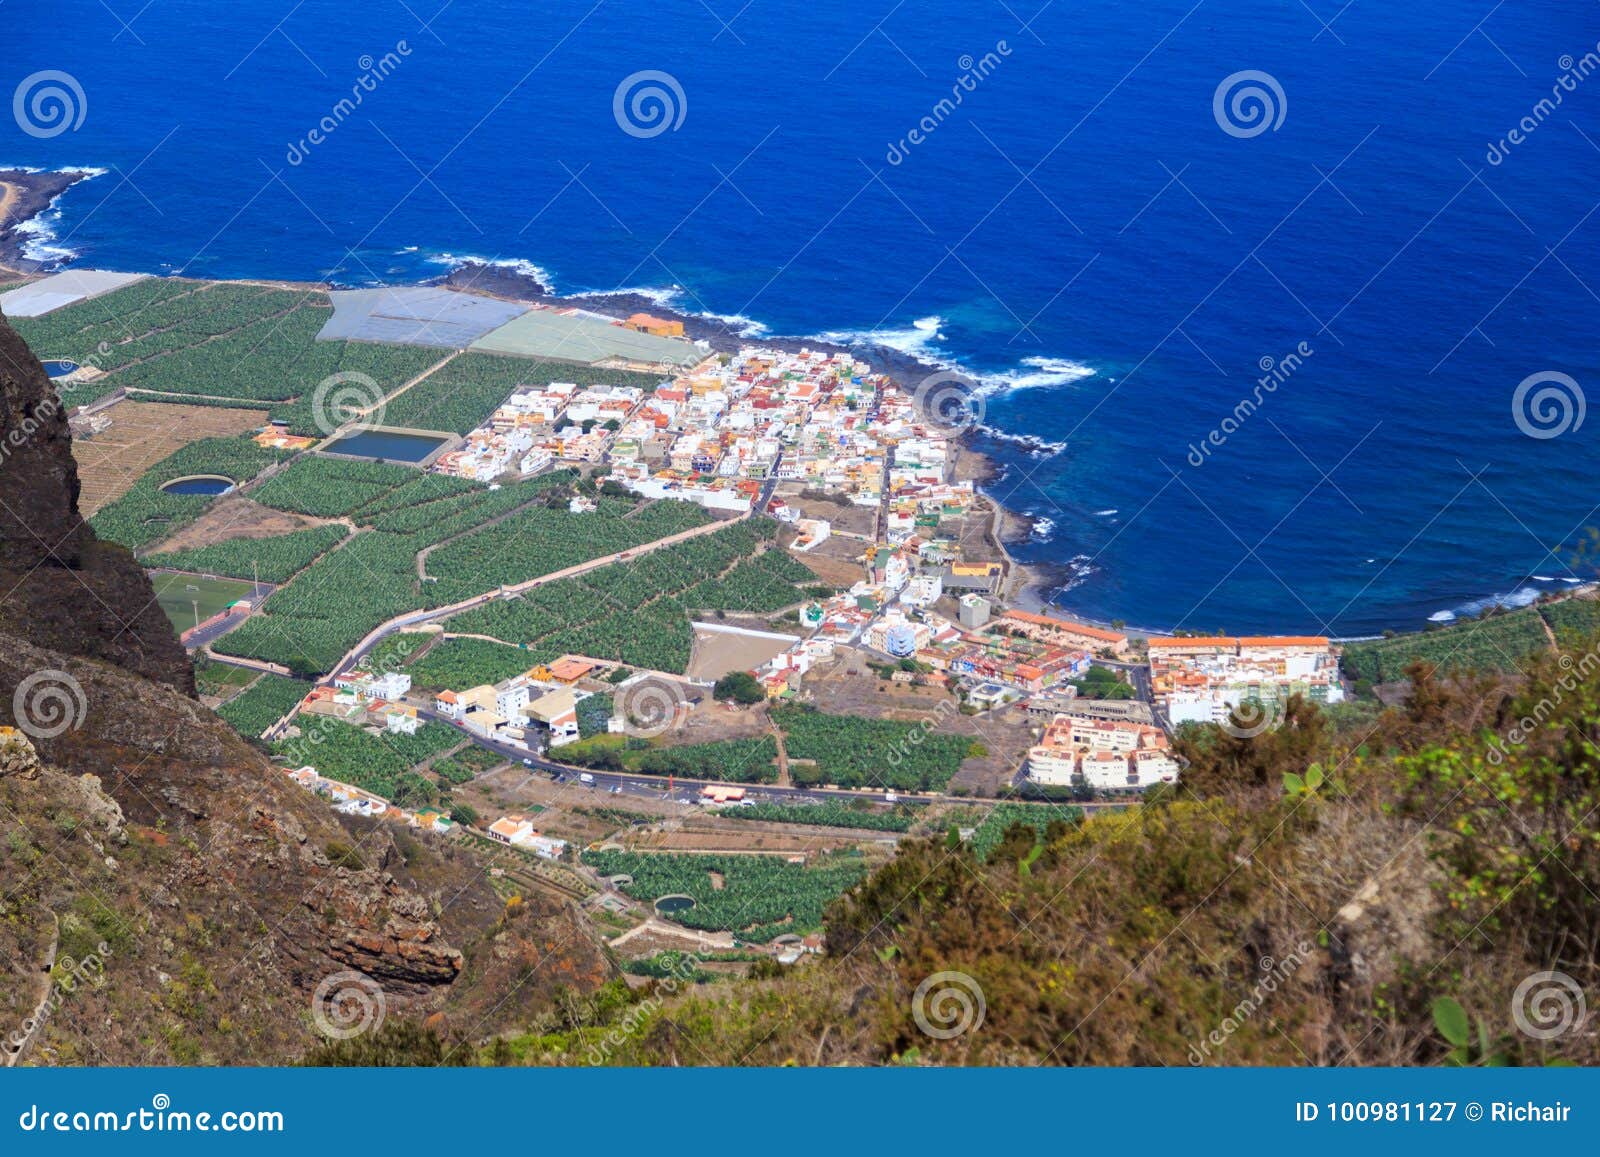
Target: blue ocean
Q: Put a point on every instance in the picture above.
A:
(1284, 311)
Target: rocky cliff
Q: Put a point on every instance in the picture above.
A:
(60, 587)
(169, 896)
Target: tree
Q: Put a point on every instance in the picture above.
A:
(739, 686)
(464, 813)
(412, 790)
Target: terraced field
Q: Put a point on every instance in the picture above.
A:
(214, 343)
(638, 612)
(463, 394)
(1496, 644)
(409, 521)
(147, 513)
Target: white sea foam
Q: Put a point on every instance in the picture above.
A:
(1036, 373)
(1036, 446)
(40, 236)
(925, 338)
(39, 231)
(520, 265)
(1105, 513)
(1043, 529)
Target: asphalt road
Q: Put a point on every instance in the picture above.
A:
(688, 790)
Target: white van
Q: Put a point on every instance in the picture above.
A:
(586, 778)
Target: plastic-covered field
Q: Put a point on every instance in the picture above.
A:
(40, 297)
(415, 315)
(573, 336)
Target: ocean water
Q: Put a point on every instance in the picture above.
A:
(1081, 230)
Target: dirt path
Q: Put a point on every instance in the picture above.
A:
(422, 555)
(1549, 634)
(422, 377)
(783, 755)
(412, 618)
(49, 990)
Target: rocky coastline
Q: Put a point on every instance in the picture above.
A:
(24, 195)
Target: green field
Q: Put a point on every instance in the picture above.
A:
(180, 595)
(1497, 644)
(197, 341)
(759, 897)
(147, 513)
(638, 612)
(268, 700)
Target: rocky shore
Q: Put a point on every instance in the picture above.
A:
(24, 194)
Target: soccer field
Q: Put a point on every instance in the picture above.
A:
(183, 595)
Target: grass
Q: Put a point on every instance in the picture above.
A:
(181, 594)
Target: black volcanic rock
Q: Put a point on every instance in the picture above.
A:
(61, 588)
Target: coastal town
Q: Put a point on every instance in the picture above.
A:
(752, 596)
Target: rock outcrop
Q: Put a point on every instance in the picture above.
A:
(61, 588)
(170, 895)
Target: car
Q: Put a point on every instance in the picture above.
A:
(527, 763)
(585, 777)
(890, 797)
(616, 791)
